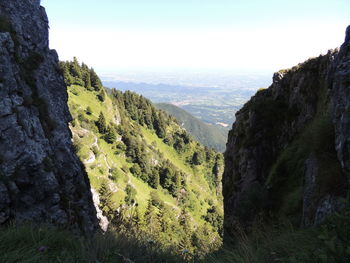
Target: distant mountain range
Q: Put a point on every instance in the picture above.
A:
(209, 135)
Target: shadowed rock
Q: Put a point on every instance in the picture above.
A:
(41, 178)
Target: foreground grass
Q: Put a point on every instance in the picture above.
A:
(327, 243)
(33, 244)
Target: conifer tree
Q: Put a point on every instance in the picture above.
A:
(87, 80)
(95, 80)
(75, 69)
(106, 203)
(154, 179)
(159, 125)
(184, 221)
(137, 219)
(176, 183)
(102, 95)
(66, 73)
(151, 219)
(197, 158)
(101, 123)
(130, 194)
(136, 170)
(110, 136)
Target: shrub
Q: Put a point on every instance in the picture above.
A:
(88, 110)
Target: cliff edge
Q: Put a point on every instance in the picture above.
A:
(41, 178)
(288, 153)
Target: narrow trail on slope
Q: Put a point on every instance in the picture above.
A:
(91, 158)
(129, 180)
(112, 185)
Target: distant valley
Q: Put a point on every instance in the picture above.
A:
(211, 104)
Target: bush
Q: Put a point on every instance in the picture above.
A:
(115, 174)
(88, 110)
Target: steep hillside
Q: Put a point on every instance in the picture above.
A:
(288, 151)
(147, 169)
(41, 178)
(209, 135)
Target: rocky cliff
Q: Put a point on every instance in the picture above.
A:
(41, 179)
(288, 151)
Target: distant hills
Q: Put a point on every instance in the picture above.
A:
(209, 135)
(213, 105)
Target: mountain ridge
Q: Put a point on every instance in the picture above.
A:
(209, 135)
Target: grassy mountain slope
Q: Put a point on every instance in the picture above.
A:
(209, 135)
(152, 176)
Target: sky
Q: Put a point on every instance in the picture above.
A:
(237, 35)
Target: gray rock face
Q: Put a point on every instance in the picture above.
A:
(103, 220)
(269, 124)
(41, 178)
(340, 85)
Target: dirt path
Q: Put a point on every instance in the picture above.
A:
(112, 185)
(91, 159)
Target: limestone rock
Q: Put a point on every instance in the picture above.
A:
(340, 85)
(102, 219)
(41, 178)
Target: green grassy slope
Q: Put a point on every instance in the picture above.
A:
(151, 154)
(98, 165)
(209, 135)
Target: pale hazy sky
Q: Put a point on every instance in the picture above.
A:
(257, 35)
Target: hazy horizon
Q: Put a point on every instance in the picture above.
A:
(193, 35)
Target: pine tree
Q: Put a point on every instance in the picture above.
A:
(184, 221)
(137, 219)
(87, 80)
(130, 194)
(110, 136)
(154, 179)
(102, 96)
(101, 123)
(197, 158)
(66, 73)
(151, 219)
(136, 170)
(75, 69)
(176, 183)
(106, 203)
(95, 80)
(166, 218)
(159, 125)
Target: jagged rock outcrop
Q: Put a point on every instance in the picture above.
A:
(103, 220)
(288, 151)
(41, 178)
